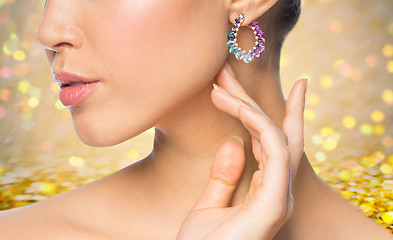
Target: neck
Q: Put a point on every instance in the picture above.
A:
(186, 142)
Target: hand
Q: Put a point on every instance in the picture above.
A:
(269, 202)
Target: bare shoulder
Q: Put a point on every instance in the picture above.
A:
(86, 212)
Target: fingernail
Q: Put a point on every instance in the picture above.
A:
(228, 66)
(237, 138)
(246, 105)
(218, 88)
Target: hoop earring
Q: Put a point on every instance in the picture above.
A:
(259, 47)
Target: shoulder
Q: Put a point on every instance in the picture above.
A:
(53, 218)
(91, 211)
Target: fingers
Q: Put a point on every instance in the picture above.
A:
(227, 168)
(232, 98)
(234, 87)
(262, 128)
(293, 123)
(275, 178)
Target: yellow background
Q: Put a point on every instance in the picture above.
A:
(344, 48)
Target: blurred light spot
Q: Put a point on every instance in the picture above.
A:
(326, 81)
(329, 143)
(312, 99)
(367, 209)
(27, 116)
(133, 153)
(390, 159)
(19, 55)
(2, 112)
(309, 114)
(389, 66)
(366, 129)
(371, 61)
(368, 161)
(11, 45)
(355, 75)
(387, 217)
(338, 63)
(387, 142)
(388, 50)
(386, 169)
(346, 194)
(33, 102)
(46, 146)
(336, 26)
(390, 28)
(387, 96)
(59, 105)
(345, 70)
(5, 94)
(344, 175)
(320, 156)
(379, 129)
(317, 139)
(378, 155)
(336, 136)
(35, 92)
(54, 87)
(5, 72)
(349, 122)
(75, 161)
(46, 187)
(326, 131)
(377, 116)
(24, 86)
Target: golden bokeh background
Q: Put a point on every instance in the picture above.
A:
(344, 48)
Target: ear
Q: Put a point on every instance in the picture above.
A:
(252, 9)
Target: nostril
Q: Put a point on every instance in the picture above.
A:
(62, 44)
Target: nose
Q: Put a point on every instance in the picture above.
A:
(58, 29)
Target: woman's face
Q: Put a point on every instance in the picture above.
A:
(149, 57)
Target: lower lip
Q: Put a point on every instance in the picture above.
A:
(75, 95)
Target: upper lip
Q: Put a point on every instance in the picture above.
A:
(65, 78)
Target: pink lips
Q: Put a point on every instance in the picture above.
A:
(74, 89)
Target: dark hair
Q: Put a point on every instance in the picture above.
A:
(277, 22)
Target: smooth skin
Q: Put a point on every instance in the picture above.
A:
(269, 202)
(156, 66)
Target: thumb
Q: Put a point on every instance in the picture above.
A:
(227, 168)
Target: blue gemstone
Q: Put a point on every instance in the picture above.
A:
(254, 23)
(231, 43)
(257, 29)
(231, 36)
(233, 50)
(237, 20)
(234, 25)
(239, 55)
(233, 31)
(247, 57)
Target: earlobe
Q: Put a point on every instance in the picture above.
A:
(252, 9)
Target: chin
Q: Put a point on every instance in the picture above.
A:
(106, 133)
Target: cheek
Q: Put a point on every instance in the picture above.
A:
(152, 53)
